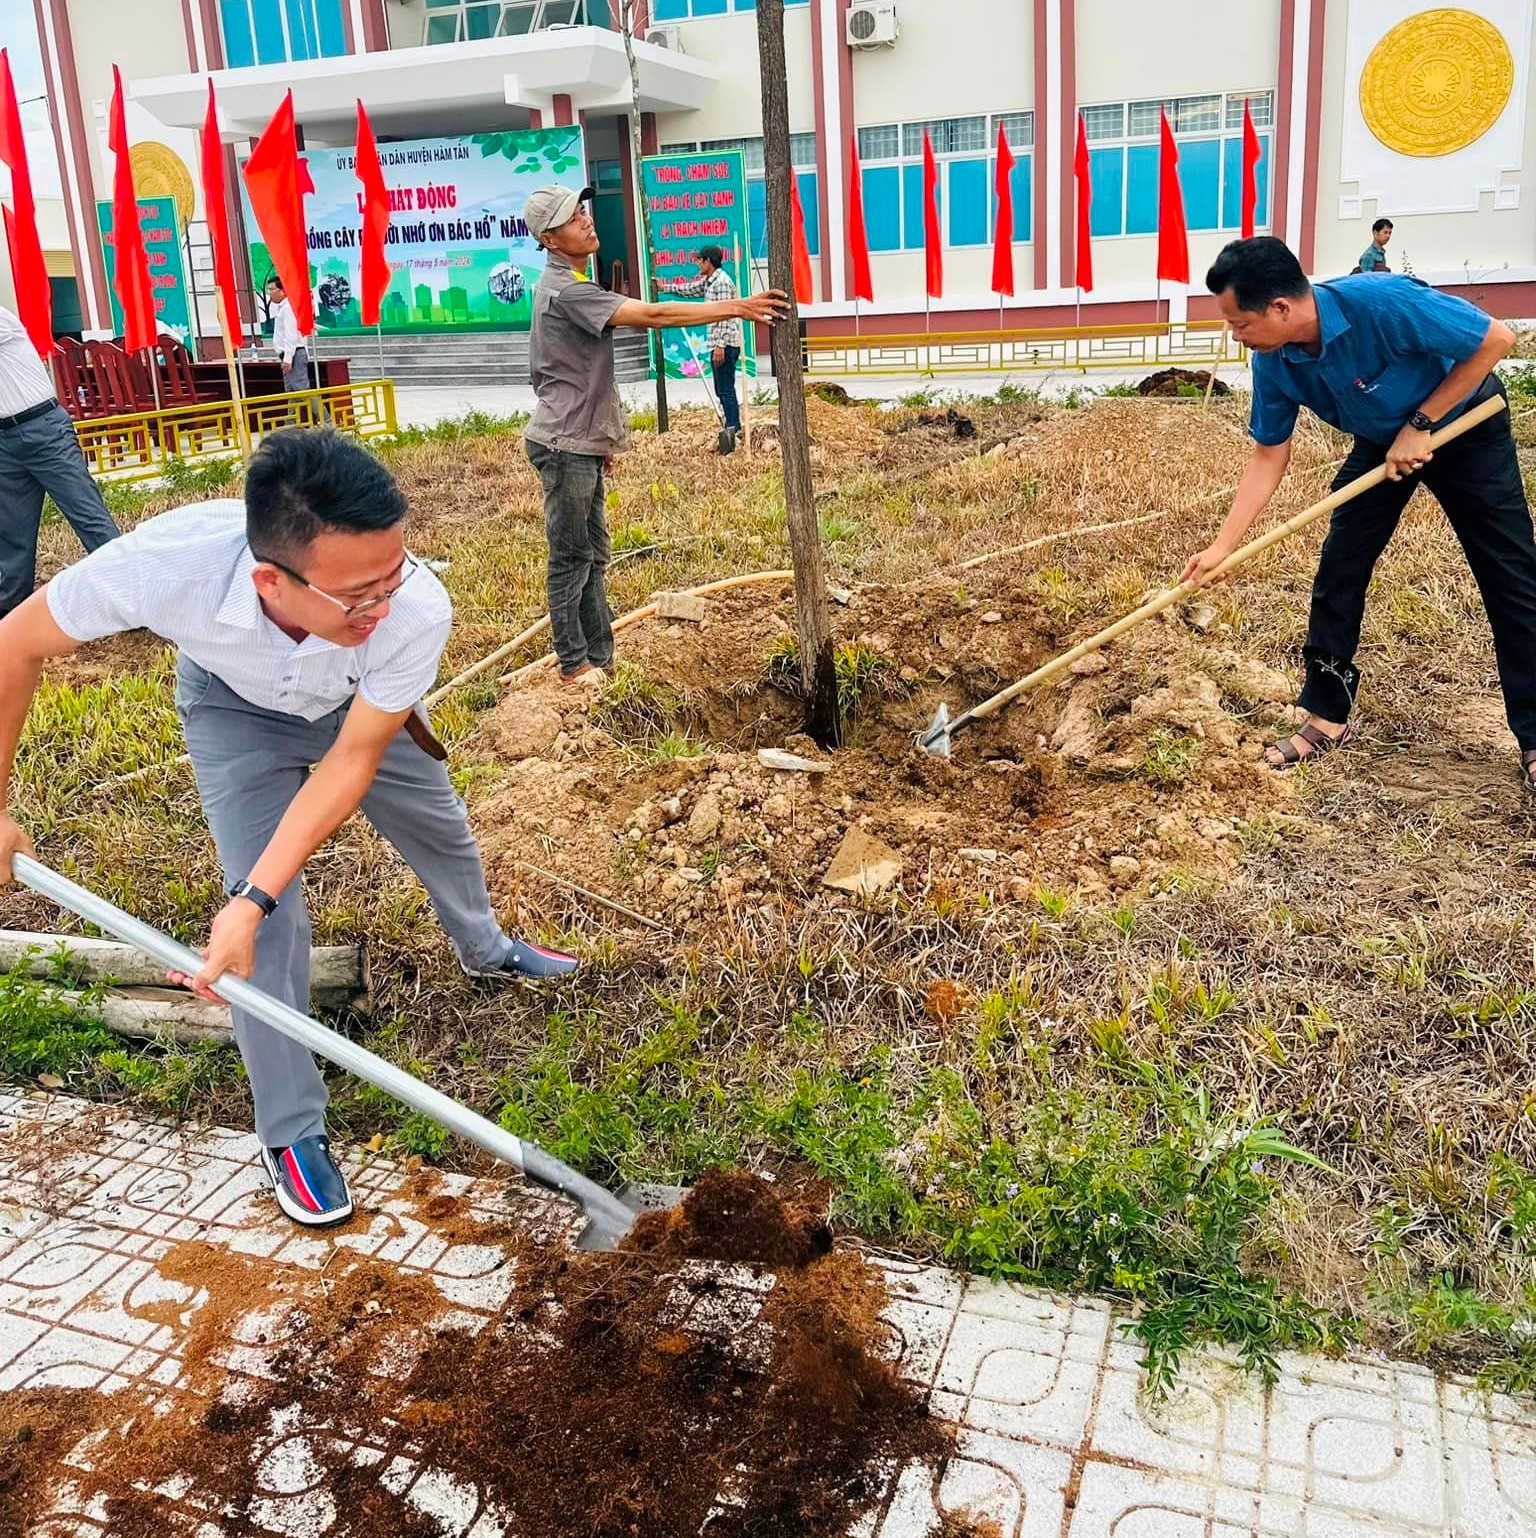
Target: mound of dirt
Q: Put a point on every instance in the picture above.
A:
(652, 1392)
(1180, 381)
(1138, 761)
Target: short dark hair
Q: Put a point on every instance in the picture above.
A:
(276, 282)
(306, 481)
(1380, 225)
(1258, 271)
(714, 255)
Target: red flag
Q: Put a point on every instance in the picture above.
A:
(29, 269)
(375, 220)
(1082, 169)
(858, 235)
(275, 183)
(1253, 152)
(804, 287)
(130, 267)
(1002, 249)
(216, 212)
(1172, 236)
(933, 241)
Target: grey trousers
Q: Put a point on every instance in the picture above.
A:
(37, 458)
(297, 377)
(250, 764)
(576, 524)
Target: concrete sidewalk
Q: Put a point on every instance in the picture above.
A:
(1055, 1442)
(427, 407)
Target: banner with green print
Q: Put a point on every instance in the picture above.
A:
(462, 256)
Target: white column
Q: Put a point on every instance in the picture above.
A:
(199, 40)
(1050, 111)
(359, 41)
(59, 92)
(834, 239)
(1296, 84)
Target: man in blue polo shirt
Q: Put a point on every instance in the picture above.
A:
(1388, 360)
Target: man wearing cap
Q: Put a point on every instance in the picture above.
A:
(580, 422)
(715, 284)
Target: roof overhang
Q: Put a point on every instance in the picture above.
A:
(456, 84)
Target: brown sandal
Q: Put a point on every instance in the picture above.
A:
(1528, 772)
(1320, 743)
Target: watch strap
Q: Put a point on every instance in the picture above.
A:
(263, 900)
(1421, 423)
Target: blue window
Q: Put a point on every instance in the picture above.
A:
(1200, 182)
(682, 10)
(1141, 189)
(912, 196)
(1123, 146)
(882, 207)
(1232, 184)
(757, 213)
(281, 31)
(1023, 185)
(810, 205)
(970, 199)
(1106, 210)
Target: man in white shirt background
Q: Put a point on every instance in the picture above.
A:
(39, 455)
(308, 636)
(292, 346)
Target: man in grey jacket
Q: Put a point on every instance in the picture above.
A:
(580, 422)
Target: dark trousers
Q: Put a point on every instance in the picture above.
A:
(37, 458)
(725, 387)
(1477, 481)
(579, 549)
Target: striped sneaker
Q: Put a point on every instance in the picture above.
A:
(307, 1182)
(526, 960)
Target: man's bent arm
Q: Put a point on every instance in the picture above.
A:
(333, 791)
(1266, 468)
(29, 637)
(1466, 377)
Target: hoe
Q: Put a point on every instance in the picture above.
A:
(939, 737)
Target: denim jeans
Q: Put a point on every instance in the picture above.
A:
(725, 387)
(576, 525)
(41, 457)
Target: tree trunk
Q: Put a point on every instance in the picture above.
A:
(643, 244)
(813, 621)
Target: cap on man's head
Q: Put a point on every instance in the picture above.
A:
(550, 207)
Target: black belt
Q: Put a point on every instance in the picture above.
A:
(27, 415)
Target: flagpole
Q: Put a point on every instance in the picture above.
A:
(237, 402)
(928, 332)
(744, 399)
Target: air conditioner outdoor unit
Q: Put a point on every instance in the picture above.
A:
(670, 38)
(873, 24)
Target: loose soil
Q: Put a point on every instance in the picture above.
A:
(657, 1391)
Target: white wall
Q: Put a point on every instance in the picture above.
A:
(954, 57)
(1135, 49)
(1453, 245)
(734, 109)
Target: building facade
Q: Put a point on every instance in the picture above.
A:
(1364, 108)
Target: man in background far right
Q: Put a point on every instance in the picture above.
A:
(715, 285)
(1374, 257)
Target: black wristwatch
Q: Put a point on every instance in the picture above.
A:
(1421, 423)
(263, 900)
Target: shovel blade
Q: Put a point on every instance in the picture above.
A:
(607, 1233)
(936, 740)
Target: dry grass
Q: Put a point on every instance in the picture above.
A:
(1362, 968)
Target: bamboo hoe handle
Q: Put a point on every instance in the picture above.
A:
(1463, 424)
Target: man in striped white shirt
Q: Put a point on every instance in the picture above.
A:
(715, 286)
(39, 456)
(307, 636)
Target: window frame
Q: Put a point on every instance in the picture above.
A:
(874, 159)
(1229, 122)
(663, 18)
(309, 16)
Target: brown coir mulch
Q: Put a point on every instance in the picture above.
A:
(656, 1392)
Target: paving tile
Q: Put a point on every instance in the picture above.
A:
(1055, 1435)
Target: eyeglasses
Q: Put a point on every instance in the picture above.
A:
(348, 610)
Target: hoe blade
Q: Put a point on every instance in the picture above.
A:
(936, 740)
(606, 1230)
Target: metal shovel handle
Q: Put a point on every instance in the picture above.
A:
(526, 1158)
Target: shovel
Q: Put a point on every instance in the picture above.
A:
(609, 1217)
(939, 737)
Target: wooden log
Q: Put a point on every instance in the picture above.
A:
(148, 1014)
(338, 974)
